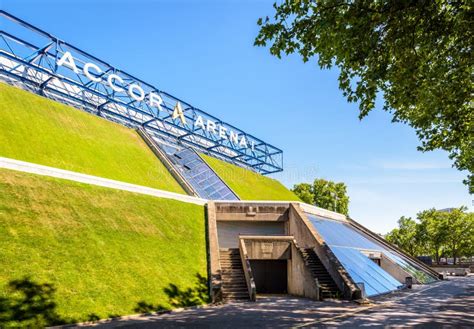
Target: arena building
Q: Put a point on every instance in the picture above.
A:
(255, 247)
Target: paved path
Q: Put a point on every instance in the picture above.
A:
(444, 304)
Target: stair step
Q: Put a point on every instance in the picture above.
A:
(230, 259)
(231, 264)
(242, 289)
(328, 287)
(234, 284)
(233, 280)
(226, 273)
(233, 269)
(233, 274)
(226, 285)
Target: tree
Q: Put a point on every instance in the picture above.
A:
(305, 192)
(435, 230)
(460, 236)
(439, 233)
(325, 194)
(406, 236)
(417, 54)
(467, 247)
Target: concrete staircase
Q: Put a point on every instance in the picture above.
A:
(328, 288)
(234, 286)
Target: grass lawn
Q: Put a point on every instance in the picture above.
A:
(42, 131)
(249, 185)
(106, 252)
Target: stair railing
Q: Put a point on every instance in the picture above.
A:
(252, 288)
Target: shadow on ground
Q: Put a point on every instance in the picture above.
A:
(443, 304)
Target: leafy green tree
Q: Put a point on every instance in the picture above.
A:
(406, 236)
(436, 229)
(305, 192)
(467, 247)
(460, 236)
(325, 194)
(439, 233)
(416, 54)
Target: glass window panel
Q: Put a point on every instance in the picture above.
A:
(203, 179)
(362, 269)
(345, 240)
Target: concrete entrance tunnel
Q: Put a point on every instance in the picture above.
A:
(291, 248)
(271, 276)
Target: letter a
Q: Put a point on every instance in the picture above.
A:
(200, 122)
(178, 113)
(68, 61)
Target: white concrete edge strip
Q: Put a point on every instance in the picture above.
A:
(304, 206)
(322, 212)
(94, 180)
(33, 168)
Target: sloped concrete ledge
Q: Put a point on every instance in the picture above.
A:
(307, 236)
(37, 169)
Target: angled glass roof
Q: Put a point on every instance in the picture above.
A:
(363, 270)
(347, 244)
(195, 170)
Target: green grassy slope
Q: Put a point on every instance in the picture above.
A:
(249, 185)
(104, 250)
(39, 130)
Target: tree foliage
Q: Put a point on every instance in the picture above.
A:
(417, 54)
(436, 233)
(406, 236)
(325, 194)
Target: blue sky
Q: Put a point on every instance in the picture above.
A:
(202, 52)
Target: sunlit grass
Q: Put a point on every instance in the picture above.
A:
(249, 185)
(42, 131)
(104, 250)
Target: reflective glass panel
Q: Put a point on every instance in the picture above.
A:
(197, 173)
(346, 242)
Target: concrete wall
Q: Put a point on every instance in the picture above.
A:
(215, 280)
(228, 220)
(267, 249)
(252, 211)
(300, 280)
(307, 237)
(395, 270)
(229, 231)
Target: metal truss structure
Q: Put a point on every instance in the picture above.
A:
(30, 60)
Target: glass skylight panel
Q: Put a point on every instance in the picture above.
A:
(347, 243)
(202, 178)
(363, 270)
